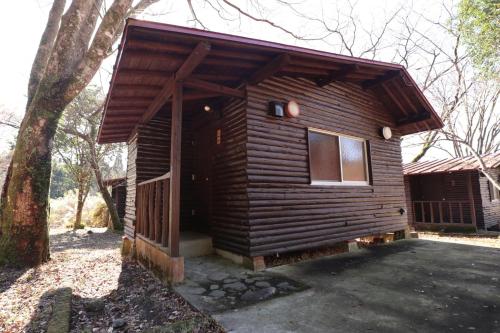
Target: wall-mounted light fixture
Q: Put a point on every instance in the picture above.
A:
(276, 109)
(292, 109)
(386, 132)
(207, 108)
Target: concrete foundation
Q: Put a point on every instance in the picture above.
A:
(126, 248)
(253, 263)
(156, 259)
(352, 246)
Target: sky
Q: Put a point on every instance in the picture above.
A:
(22, 23)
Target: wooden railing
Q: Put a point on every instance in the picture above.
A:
(444, 212)
(152, 213)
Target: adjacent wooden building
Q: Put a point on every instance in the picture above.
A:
(267, 148)
(119, 194)
(453, 193)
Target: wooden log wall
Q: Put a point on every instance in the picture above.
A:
(148, 157)
(229, 224)
(490, 209)
(119, 194)
(287, 213)
(409, 205)
(129, 219)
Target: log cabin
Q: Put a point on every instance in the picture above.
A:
(118, 193)
(262, 148)
(453, 193)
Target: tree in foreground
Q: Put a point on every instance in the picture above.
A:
(72, 48)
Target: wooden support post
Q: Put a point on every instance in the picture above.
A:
(165, 213)
(440, 212)
(423, 211)
(431, 204)
(461, 210)
(450, 208)
(157, 234)
(151, 211)
(471, 199)
(175, 170)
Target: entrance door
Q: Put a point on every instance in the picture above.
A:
(203, 159)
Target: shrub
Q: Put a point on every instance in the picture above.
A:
(63, 211)
(99, 216)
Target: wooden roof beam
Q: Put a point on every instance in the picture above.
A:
(269, 69)
(193, 60)
(414, 118)
(338, 75)
(214, 87)
(368, 84)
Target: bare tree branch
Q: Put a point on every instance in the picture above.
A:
(45, 47)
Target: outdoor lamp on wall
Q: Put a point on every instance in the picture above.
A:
(292, 109)
(386, 132)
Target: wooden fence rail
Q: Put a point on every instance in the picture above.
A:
(152, 216)
(444, 212)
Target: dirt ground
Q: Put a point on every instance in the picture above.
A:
(106, 290)
(489, 239)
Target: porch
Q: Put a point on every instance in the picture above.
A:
(159, 244)
(443, 200)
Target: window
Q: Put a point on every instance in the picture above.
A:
(494, 192)
(337, 159)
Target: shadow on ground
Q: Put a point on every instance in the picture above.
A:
(9, 275)
(140, 303)
(406, 286)
(109, 294)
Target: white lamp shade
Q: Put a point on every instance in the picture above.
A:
(386, 132)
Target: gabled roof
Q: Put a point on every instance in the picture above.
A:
(152, 54)
(452, 165)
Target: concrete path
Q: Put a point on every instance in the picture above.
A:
(406, 286)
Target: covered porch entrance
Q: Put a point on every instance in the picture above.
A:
(174, 210)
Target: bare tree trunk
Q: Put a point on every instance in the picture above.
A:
(113, 212)
(81, 198)
(67, 59)
(24, 201)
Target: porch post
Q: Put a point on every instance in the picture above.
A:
(471, 199)
(175, 170)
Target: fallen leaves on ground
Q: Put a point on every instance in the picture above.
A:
(107, 291)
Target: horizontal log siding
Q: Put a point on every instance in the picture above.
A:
(409, 204)
(490, 209)
(129, 219)
(229, 222)
(149, 157)
(286, 212)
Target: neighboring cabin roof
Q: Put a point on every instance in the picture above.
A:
(115, 181)
(451, 165)
(150, 54)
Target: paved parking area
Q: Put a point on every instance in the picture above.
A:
(405, 286)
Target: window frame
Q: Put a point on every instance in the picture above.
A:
(341, 182)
